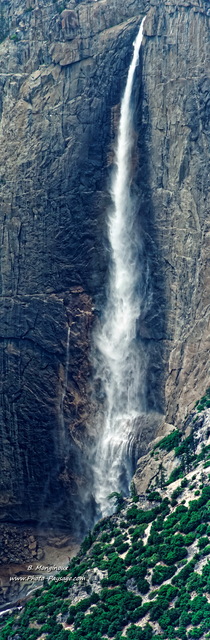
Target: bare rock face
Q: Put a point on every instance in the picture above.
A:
(62, 76)
(155, 468)
(176, 109)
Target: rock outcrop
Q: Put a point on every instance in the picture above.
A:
(142, 573)
(62, 75)
(175, 119)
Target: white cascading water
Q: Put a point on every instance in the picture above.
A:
(120, 362)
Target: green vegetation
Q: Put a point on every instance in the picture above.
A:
(107, 613)
(133, 492)
(204, 402)
(14, 37)
(154, 496)
(169, 442)
(177, 473)
(119, 500)
(155, 564)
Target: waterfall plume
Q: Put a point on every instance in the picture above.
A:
(120, 360)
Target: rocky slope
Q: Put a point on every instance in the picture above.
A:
(62, 74)
(144, 572)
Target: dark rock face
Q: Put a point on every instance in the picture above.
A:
(176, 132)
(62, 76)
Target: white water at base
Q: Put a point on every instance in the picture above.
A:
(120, 362)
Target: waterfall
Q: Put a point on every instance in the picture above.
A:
(120, 361)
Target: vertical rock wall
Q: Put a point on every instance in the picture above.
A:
(61, 79)
(176, 112)
(61, 73)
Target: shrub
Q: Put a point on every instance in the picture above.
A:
(154, 496)
(181, 633)
(80, 569)
(14, 37)
(132, 513)
(137, 572)
(94, 598)
(162, 573)
(143, 586)
(176, 493)
(106, 537)
(174, 555)
(175, 474)
(59, 589)
(113, 628)
(185, 446)
(180, 579)
(138, 532)
(206, 551)
(196, 632)
(185, 619)
(121, 548)
(202, 542)
(155, 538)
(204, 402)
(176, 540)
(189, 522)
(189, 538)
(171, 521)
(184, 483)
(110, 550)
(97, 549)
(102, 525)
(157, 610)
(168, 618)
(197, 617)
(116, 531)
(119, 500)
(137, 614)
(203, 528)
(116, 571)
(136, 633)
(78, 618)
(87, 542)
(169, 442)
(194, 582)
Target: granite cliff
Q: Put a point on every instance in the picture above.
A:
(62, 74)
(144, 572)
